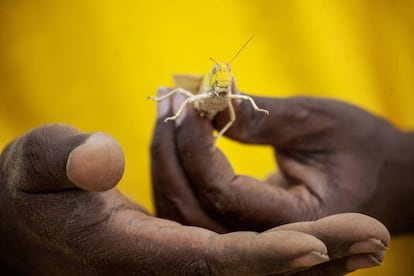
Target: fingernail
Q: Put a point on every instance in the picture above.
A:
(177, 103)
(162, 106)
(362, 261)
(368, 246)
(310, 259)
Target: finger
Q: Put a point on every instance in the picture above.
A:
(354, 241)
(344, 265)
(241, 202)
(288, 251)
(166, 247)
(58, 157)
(345, 234)
(289, 120)
(173, 196)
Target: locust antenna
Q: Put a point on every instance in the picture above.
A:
(213, 60)
(241, 48)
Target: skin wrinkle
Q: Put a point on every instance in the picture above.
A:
(323, 119)
(77, 233)
(13, 173)
(34, 145)
(298, 112)
(80, 235)
(189, 261)
(220, 201)
(297, 182)
(299, 174)
(207, 259)
(254, 215)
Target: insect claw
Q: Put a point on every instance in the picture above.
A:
(169, 119)
(153, 98)
(213, 147)
(263, 110)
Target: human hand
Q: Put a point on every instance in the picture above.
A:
(333, 157)
(61, 215)
(176, 198)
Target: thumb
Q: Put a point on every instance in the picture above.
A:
(58, 157)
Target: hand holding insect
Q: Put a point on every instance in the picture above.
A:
(197, 186)
(214, 93)
(58, 218)
(322, 167)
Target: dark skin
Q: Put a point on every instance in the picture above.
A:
(61, 214)
(333, 158)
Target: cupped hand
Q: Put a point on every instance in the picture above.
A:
(60, 214)
(333, 158)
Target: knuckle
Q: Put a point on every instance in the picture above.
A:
(221, 202)
(250, 126)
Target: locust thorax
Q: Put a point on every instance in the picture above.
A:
(221, 79)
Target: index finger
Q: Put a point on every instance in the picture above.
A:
(174, 196)
(289, 120)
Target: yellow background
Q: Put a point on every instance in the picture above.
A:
(92, 64)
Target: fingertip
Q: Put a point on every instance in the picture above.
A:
(271, 252)
(367, 246)
(358, 228)
(249, 122)
(97, 164)
(363, 261)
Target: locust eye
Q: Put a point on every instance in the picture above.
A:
(214, 69)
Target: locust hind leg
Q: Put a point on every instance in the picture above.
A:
(228, 125)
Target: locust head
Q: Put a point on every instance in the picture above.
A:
(221, 79)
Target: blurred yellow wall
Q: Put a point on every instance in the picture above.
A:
(92, 64)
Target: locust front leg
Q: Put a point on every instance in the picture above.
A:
(250, 99)
(232, 115)
(180, 110)
(181, 91)
(172, 92)
(191, 99)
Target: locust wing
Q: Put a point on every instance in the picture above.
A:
(190, 82)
